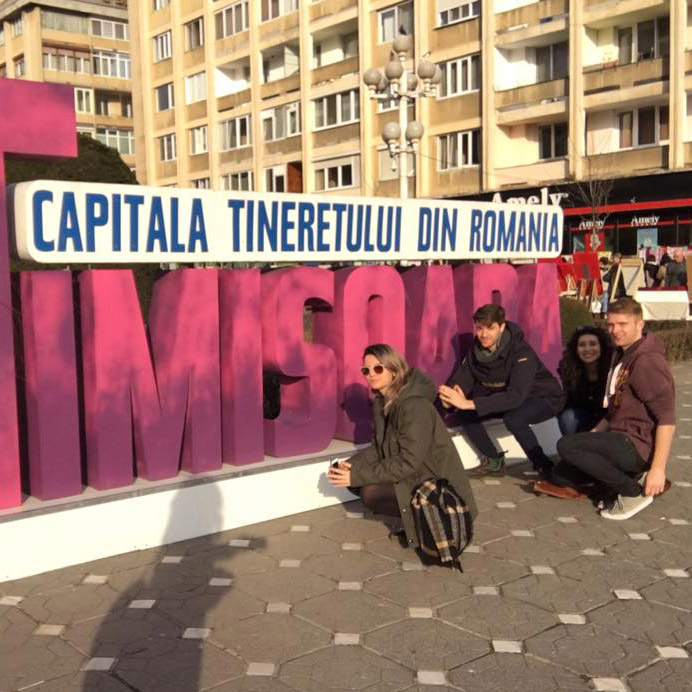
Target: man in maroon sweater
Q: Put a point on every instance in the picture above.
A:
(628, 450)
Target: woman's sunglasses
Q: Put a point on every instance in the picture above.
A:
(377, 369)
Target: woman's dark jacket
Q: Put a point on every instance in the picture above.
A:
(410, 445)
(615, 292)
(504, 379)
(583, 393)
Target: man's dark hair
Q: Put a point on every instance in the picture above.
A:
(489, 314)
(626, 306)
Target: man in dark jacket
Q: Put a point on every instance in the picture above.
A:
(502, 377)
(637, 432)
(676, 271)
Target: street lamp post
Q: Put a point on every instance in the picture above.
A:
(402, 138)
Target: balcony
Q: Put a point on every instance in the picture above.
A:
(602, 13)
(289, 145)
(281, 28)
(190, 6)
(334, 135)
(535, 13)
(192, 58)
(237, 156)
(536, 173)
(164, 119)
(196, 110)
(280, 86)
(455, 181)
(198, 163)
(330, 8)
(454, 36)
(329, 73)
(236, 43)
(162, 70)
(614, 76)
(166, 169)
(229, 101)
(466, 107)
(532, 102)
(629, 162)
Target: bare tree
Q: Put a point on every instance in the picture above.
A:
(594, 192)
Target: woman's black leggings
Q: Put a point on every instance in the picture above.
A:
(380, 498)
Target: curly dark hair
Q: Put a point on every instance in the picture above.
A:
(572, 370)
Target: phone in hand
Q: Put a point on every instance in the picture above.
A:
(334, 464)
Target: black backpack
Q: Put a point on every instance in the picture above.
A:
(443, 522)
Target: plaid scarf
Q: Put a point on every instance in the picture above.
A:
(443, 521)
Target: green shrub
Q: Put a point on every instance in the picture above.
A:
(573, 314)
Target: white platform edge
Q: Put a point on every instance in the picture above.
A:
(61, 536)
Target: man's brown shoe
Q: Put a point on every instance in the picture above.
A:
(564, 492)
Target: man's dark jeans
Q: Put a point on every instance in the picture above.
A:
(609, 457)
(518, 421)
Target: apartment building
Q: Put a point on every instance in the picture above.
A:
(268, 94)
(83, 43)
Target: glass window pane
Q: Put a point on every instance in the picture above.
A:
(345, 108)
(663, 123)
(646, 130)
(543, 63)
(560, 140)
(645, 40)
(625, 129)
(347, 175)
(331, 109)
(333, 177)
(545, 149)
(319, 179)
(625, 46)
(560, 60)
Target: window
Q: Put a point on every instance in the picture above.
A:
(552, 141)
(237, 181)
(160, 4)
(2, 34)
(3, 71)
(17, 26)
(459, 12)
(64, 21)
(232, 20)
(162, 46)
(459, 149)
(196, 87)
(112, 64)
(165, 97)
(121, 140)
(460, 76)
(275, 179)
(202, 183)
(643, 126)
(552, 62)
(271, 9)
(198, 140)
(102, 107)
(194, 34)
(167, 148)
(645, 41)
(336, 173)
(282, 121)
(126, 105)
(110, 29)
(337, 109)
(83, 99)
(66, 60)
(235, 133)
(392, 20)
(85, 130)
(19, 67)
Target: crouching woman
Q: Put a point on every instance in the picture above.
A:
(411, 443)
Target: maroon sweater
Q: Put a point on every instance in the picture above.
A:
(644, 393)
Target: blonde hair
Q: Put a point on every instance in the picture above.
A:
(396, 364)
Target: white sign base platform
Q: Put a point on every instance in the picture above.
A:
(43, 536)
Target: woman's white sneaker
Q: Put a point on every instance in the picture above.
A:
(626, 507)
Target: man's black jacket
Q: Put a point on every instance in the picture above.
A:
(503, 380)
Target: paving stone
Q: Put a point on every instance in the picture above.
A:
(95, 579)
(431, 677)
(418, 589)
(582, 534)
(486, 591)
(484, 533)
(196, 633)
(99, 663)
(71, 605)
(572, 619)
(349, 611)
(671, 652)
(253, 684)
(679, 522)
(676, 573)
(670, 675)
(297, 546)
(225, 561)
(426, 644)
(542, 569)
(608, 572)
(287, 586)
(239, 543)
(278, 608)
(271, 636)
(361, 531)
(486, 569)
(505, 646)
(220, 581)
(390, 549)
(350, 586)
(89, 681)
(143, 603)
(289, 563)
(567, 520)
(674, 592)
(590, 650)
(627, 594)
(531, 552)
(510, 619)
(647, 622)
(505, 672)
(262, 669)
(50, 630)
(171, 560)
(346, 639)
(420, 612)
(328, 670)
(11, 600)
(677, 534)
(349, 566)
(558, 594)
(351, 546)
(300, 528)
(609, 685)
(178, 665)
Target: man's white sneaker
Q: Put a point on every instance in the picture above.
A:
(626, 507)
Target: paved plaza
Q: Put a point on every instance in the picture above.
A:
(552, 598)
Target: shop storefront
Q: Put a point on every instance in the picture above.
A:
(645, 213)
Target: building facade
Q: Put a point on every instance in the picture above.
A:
(83, 43)
(268, 94)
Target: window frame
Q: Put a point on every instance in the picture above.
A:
(338, 164)
(231, 127)
(163, 46)
(396, 10)
(230, 11)
(227, 180)
(194, 31)
(444, 17)
(354, 99)
(635, 127)
(461, 140)
(198, 137)
(464, 65)
(170, 95)
(553, 139)
(167, 148)
(274, 114)
(195, 88)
